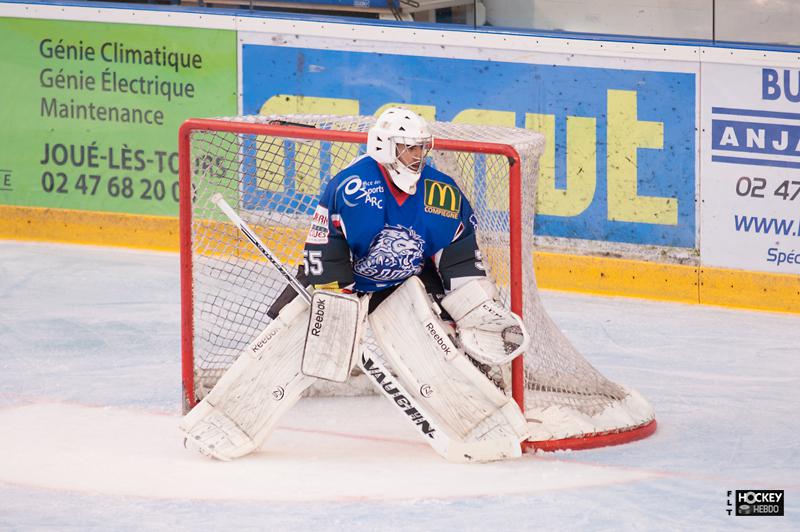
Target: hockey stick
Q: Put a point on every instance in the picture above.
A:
(378, 374)
(220, 202)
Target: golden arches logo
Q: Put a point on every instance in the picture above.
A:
(443, 196)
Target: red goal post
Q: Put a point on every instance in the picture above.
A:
(290, 157)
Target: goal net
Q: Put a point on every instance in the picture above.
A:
(271, 169)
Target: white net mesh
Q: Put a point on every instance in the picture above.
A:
(274, 181)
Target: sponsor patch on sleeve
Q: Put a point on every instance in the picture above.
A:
(318, 232)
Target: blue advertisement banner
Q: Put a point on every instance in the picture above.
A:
(620, 161)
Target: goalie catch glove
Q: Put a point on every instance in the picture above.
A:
(488, 331)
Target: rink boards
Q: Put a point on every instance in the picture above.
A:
(672, 169)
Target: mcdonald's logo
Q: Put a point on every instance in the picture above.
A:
(442, 198)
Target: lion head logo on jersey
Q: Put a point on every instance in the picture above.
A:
(395, 253)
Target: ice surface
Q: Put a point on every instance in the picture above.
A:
(90, 401)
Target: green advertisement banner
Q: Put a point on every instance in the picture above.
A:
(89, 112)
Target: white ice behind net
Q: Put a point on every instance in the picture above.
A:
(273, 182)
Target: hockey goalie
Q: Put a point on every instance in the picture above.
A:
(392, 244)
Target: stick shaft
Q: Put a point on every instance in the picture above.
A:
(220, 202)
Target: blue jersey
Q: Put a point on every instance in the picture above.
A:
(369, 236)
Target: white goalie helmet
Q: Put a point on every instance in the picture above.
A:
(400, 140)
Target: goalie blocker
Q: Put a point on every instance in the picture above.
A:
(333, 336)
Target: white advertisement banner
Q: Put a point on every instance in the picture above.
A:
(750, 167)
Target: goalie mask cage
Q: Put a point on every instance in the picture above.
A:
(271, 169)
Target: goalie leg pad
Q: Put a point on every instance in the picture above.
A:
(335, 327)
(264, 382)
(476, 415)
